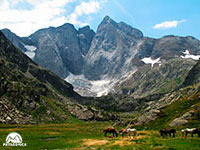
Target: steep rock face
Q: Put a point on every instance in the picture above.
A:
(30, 94)
(86, 36)
(112, 45)
(145, 48)
(60, 49)
(193, 76)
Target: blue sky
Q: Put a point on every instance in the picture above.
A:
(155, 18)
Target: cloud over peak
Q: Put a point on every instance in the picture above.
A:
(44, 13)
(85, 8)
(168, 24)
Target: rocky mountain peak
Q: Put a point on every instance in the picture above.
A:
(106, 20)
(107, 24)
(112, 45)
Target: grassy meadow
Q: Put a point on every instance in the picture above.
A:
(89, 135)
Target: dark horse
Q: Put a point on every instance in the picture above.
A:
(196, 131)
(110, 130)
(165, 132)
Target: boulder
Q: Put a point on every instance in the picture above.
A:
(182, 120)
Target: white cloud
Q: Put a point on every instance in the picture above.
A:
(4, 5)
(85, 8)
(168, 24)
(44, 13)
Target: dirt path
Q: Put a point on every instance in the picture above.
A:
(92, 142)
(121, 141)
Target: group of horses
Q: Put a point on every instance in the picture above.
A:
(184, 132)
(163, 132)
(126, 131)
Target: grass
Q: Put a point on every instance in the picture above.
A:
(89, 135)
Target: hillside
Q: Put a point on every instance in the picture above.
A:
(31, 94)
(178, 108)
(160, 79)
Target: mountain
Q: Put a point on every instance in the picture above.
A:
(61, 50)
(115, 59)
(111, 49)
(31, 94)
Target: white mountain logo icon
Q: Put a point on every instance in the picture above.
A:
(14, 139)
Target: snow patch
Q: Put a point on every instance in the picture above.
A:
(30, 54)
(149, 60)
(30, 48)
(30, 51)
(188, 55)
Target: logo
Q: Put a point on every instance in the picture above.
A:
(14, 139)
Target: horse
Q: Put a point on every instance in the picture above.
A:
(196, 131)
(191, 131)
(128, 131)
(131, 131)
(123, 131)
(110, 130)
(166, 132)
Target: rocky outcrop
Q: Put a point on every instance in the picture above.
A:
(193, 76)
(10, 114)
(151, 110)
(182, 120)
(90, 113)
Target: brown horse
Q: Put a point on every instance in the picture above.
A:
(166, 132)
(123, 131)
(110, 130)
